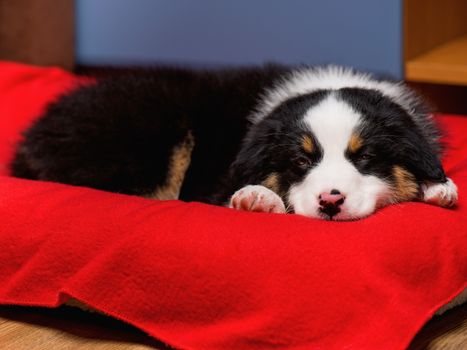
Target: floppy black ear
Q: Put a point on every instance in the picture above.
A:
(254, 159)
(248, 168)
(250, 164)
(422, 160)
(427, 167)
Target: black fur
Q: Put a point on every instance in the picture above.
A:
(117, 135)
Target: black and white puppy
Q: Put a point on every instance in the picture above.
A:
(325, 142)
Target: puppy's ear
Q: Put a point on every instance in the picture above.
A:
(253, 161)
(425, 164)
(250, 163)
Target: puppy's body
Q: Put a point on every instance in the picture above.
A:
(121, 133)
(327, 143)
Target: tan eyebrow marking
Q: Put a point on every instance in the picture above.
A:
(307, 144)
(405, 187)
(355, 143)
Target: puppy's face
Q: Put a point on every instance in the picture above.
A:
(339, 154)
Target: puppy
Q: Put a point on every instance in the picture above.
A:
(326, 142)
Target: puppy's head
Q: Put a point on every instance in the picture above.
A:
(341, 153)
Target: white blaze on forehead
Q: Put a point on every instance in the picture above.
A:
(332, 123)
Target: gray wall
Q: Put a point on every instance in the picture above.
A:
(365, 34)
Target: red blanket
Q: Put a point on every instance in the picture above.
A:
(204, 277)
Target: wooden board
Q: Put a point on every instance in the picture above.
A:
(67, 328)
(38, 32)
(444, 64)
(430, 23)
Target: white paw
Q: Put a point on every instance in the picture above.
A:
(442, 194)
(257, 198)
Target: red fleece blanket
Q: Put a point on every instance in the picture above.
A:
(204, 277)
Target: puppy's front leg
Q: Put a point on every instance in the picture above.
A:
(257, 198)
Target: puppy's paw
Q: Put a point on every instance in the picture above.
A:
(257, 198)
(442, 194)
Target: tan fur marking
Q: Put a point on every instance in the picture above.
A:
(272, 182)
(307, 144)
(405, 188)
(178, 165)
(355, 143)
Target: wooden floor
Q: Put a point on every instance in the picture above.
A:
(69, 328)
(445, 332)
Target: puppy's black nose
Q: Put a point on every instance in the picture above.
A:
(330, 210)
(330, 202)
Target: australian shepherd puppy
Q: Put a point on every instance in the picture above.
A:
(327, 143)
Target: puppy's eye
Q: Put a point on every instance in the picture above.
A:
(365, 156)
(303, 162)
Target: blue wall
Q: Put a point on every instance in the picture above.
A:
(362, 33)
